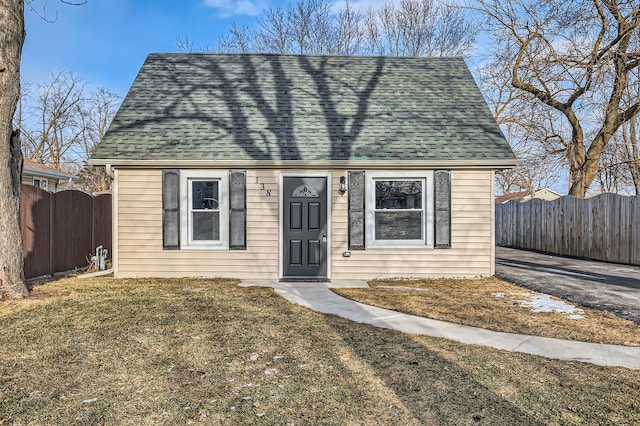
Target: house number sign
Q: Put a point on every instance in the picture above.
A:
(267, 192)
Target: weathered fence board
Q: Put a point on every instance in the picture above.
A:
(102, 221)
(35, 222)
(605, 227)
(60, 230)
(72, 229)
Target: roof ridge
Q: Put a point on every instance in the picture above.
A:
(211, 54)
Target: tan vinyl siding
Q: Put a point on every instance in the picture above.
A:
(139, 236)
(140, 250)
(27, 179)
(470, 254)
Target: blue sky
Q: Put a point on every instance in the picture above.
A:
(104, 42)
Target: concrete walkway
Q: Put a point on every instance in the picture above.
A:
(319, 297)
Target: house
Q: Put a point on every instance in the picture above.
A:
(45, 177)
(546, 194)
(260, 166)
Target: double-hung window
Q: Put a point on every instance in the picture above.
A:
(400, 209)
(42, 183)
(204, 216)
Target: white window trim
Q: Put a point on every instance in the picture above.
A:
(185, 217)
(427, 230)
(41, 180)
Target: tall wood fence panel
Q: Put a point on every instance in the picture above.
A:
(60, 230)
(605, 227)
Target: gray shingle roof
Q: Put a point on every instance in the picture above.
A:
(286, 107)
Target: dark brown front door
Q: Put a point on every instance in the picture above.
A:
(304, 219)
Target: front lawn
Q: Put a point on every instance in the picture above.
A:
(105, 351)
(496, 305)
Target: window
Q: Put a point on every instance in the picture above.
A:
(42, 183)
(203, 213)
(400, 209)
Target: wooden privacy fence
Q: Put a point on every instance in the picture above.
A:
(605, 227)
(59, 230)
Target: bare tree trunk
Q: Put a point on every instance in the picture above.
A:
(11, 39)
(631, 154)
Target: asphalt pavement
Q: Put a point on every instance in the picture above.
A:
(607, 286)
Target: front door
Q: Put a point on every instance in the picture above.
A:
(304, 217)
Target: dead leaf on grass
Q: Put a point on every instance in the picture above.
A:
(478, 417)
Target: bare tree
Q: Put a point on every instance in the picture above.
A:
(96, 114)
(630, 150)
(626, 143)
(63, 124)
(58, 114)
(419, 28)
(414, 28)
(559, 52)
(312, 27)
(274, 33)
(238, 39)
(350, 31)
(184, 45)
(620, 162)
(518, 117)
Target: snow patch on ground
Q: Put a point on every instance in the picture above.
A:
(545, 303)
(402, 288)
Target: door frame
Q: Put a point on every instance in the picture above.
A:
(283, 175)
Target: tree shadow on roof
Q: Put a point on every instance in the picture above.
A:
(269, 107)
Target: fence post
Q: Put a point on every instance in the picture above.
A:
(93, 223)
(52, 210)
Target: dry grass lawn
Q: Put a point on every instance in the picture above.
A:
(112, 352)
(474, 303)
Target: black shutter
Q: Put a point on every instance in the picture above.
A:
(238, 210)
(171, 209)
(442, 206)
(356, 195)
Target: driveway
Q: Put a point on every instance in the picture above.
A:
(608, 286)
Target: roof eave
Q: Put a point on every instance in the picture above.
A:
(307, 164)
(48, 174)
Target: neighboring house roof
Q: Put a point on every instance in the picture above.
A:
(265, 107)
(31, 167)
(544, 193)
(547, 194)
(516, 196)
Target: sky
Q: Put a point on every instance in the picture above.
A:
(105, 42)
